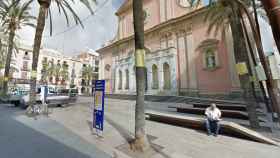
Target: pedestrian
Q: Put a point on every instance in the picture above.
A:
(213, 116)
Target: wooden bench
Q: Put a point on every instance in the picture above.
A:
(221, 106)
(225, 113)
(228, 128)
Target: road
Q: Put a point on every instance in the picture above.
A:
(23, 137)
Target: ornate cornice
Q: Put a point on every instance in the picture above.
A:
(172, 23)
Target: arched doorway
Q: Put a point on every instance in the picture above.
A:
(166, 76)
(155, 77)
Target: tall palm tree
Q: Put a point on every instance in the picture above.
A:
(64, 7)
(15, 15)
(272, 89)
(140, 142)
(224, 14)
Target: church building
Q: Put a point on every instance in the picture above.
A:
(181, 57)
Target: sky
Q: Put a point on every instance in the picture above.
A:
(98, 28)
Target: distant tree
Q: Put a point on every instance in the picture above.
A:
(57, 71)
(14, 15)
(65, 72)
(51, 71)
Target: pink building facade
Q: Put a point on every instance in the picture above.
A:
(181, 58)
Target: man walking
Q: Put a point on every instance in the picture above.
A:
(213, 116)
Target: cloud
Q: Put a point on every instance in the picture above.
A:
(98, 28)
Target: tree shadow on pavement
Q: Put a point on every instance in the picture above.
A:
(128, 136)
(23, 137)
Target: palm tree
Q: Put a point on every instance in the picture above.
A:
(140, 142)
(15, 15)
(224, 14)
(87, 76)
(50, 70)
(64, 72)
(87, 73)
(64, 7)
(57, 71)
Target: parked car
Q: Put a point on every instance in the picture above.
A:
(15, 96)
(53, 98)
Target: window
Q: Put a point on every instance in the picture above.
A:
(210, 59)
(96, 62)
(107, 67)
(209, 50)
(26, 56)
(155, 76)
(25, 66)
(24, 75)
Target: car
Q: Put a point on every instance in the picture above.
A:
(53, 98)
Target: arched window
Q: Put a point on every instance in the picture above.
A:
(209, 49)
(166, 76)
(120, 79)
(126, 79)
(155, 76)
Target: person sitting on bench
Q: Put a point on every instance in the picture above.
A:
(213, 116)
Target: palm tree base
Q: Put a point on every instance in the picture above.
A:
(140, 144)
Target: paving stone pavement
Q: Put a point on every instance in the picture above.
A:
(177, 142)
(24, 137)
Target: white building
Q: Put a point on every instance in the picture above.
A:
(22, 62)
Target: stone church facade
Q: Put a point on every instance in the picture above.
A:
(181, 57)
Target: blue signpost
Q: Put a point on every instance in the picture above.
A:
(98, 115)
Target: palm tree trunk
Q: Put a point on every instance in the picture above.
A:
(265, 98)
(8, 60)
(273, 11)
(140, 142)
(271, 87)
(241, 56)
(36, 50)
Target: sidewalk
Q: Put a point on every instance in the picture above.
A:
(24, 137)
(169, 141)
